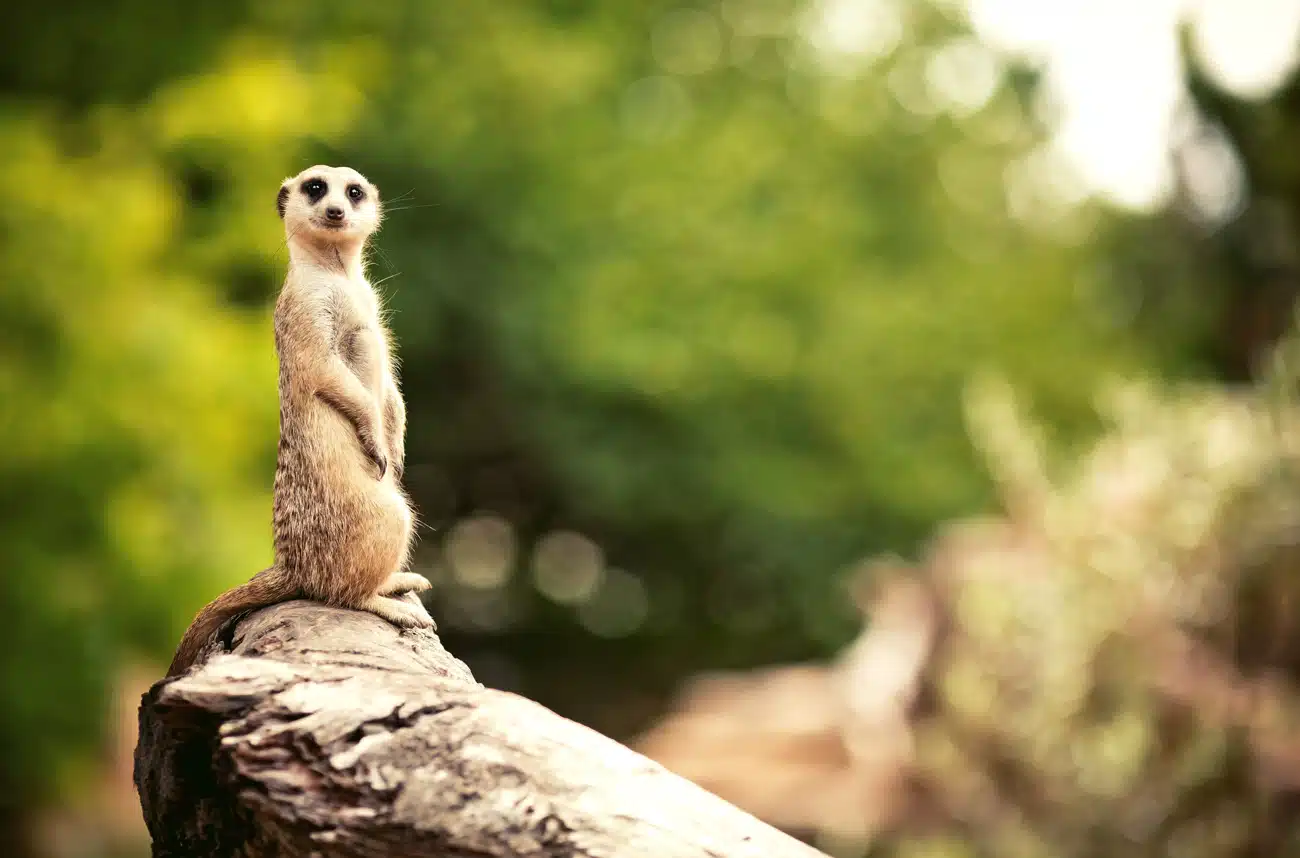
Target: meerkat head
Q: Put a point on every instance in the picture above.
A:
(329, 205)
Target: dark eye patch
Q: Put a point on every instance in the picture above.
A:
(315, 189)
(356, 193)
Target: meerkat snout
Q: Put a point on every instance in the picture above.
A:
(329, 204)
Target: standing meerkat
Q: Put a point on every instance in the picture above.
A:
(343, 525)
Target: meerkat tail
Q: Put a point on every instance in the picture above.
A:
(266, 588)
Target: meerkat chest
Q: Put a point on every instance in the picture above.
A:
(360, 335)
(357, 302)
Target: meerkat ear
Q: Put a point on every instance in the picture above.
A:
(281, 200)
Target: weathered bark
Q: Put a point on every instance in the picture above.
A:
(325, 732)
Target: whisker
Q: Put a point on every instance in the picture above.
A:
(388, 261)
(385, 280)
(388, 209)
(405, 195)
(284, 243)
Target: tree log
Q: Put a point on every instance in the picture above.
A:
(313, 731)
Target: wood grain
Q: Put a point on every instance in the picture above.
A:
(313, 731)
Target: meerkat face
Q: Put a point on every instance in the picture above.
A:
(329, 204)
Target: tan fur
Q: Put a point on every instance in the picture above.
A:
(343, 525)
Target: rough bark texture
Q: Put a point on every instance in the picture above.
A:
(325, 732)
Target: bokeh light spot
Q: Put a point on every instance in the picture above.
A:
(567, 567)
(481, 551)
(618, 608)
(687, 42)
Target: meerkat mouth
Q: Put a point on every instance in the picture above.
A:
(334, 226)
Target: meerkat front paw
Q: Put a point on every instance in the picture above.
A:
(403, 582)
(402, 614)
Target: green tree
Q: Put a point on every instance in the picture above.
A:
(138, 383)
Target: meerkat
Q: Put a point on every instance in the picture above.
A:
(343, 525)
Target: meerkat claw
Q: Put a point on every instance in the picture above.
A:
(379, 459)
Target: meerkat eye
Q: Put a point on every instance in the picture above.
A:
(355, 193)
(314, 189)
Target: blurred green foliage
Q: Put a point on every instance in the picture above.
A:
(138, 435)
(657, 277)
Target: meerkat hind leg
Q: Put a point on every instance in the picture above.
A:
(404, 582)
(400, 613)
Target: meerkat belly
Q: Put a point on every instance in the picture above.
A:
(348, 530)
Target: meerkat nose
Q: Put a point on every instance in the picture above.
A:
(334, 213)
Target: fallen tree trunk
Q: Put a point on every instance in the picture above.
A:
(323, 732)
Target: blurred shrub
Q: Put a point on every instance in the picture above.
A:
(1121, 676)
(1108, 670)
